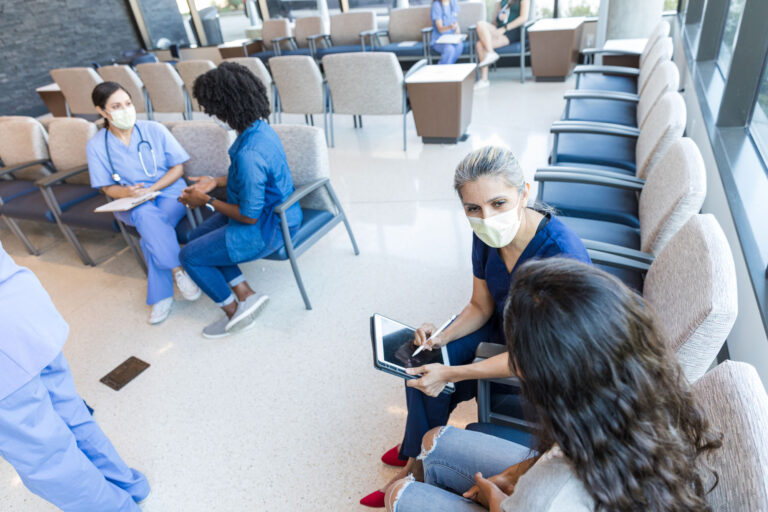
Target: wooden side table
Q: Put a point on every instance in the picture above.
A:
(54, 99)
(555, 47)
(239, 48)
(441, 100)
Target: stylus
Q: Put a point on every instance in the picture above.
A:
(436, 333)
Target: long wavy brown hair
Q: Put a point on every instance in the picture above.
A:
(606, 388)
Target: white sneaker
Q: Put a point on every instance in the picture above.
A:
(488, 60)
(160, 310)
(481, 84)
(247, 309)
(189, 290)
(218, 329)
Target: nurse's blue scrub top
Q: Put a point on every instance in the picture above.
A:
(554, 239)
(168, 153)
(447, 14)
(32, 332)
(259, 179)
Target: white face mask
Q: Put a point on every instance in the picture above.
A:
(124, 119)
(497, 231)
(221, 123)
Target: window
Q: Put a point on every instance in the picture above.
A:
(730, 31)
(572, 8)
(759, 125)
(670, 5)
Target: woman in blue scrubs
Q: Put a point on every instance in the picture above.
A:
(444, 21)
(46, 432)
(129, 158)
(245, 227)
(507, 233)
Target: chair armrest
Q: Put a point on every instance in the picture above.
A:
(298, 194)
(596, 128)
(587, 179)
(529, 23)
(278, 40)
(13, 168)
(613, 260)
(486, 350)
(419, 64)
(318, 36)
(59, 176)
(377, 34)
(603, 51)
(594, 172)
(613, 70)
(601, 95)
(618, 250)
(426, 30)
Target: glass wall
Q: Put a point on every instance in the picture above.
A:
(730, 31)
(759, 125)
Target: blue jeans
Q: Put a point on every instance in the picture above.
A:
(449, 53)
(58, 450)
(450, 466)
(426, 412)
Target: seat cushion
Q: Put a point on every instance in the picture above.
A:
(596, 149)
(591, 202)
(602, 231)
(265, 55)
(509, 49)
(33, 206)
(339, 49)
(403, 49)
(504, 432)
(297, 51)
(600, 82)
(605, 111)
(313, 221)
(81, 215)
(15, 188)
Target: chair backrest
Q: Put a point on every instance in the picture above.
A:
(735, 403)
(659, 31)
(299, 84)
(346, 27)
(207, 144)
(405, 24)
(365, 83)
(691, 285)
(77, 84)
(673, 193)
(664, 125)
(272, 29)
(661, 51)
(164, 85)
(665, 78)
(306, 27)
(307, 155)
(189, 70)
(211, 53)
(257, 67)
(127, 77)
(470, 13)
(67, 138)
(24, 140)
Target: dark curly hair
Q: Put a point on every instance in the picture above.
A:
(606, 388)
(232, 93)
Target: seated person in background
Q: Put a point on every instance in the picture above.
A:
(46, 431)
(245, 226)
(444, 21)
(131, 158)
(619, 427)
(509, 17)
(494, 194)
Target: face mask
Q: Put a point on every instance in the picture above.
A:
(497, 231)
(221, 123)
(124, 119)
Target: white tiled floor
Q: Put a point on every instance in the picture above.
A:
(290, 415)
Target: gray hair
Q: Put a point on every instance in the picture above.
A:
(489, 161)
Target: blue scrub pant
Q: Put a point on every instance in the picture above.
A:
(449, 53)
(426, 412)
(59, 451)
(156, 223)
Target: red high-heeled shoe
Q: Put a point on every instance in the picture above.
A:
(374, 500)
(392, 457)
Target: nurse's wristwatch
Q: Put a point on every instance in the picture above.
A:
(209, 203)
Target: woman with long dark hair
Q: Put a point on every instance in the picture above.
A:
(618, 426)
(508, 18)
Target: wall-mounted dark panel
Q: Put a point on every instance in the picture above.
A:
(164, 22)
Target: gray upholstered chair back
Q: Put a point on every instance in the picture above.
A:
(691, 285)
(299, 84)
(24, 140)
(306, 27)
(470, 13)
(272, 29)
(129, 80)
(67, 138)
(405, 24)
(673, 193)
(307, 156)
(164, 85)
(661, 51)
(346, 27)
(207, 144)
(734, 400)
(77, 84)
(665, 78)
(659, 31)
(365, 83)
(257, 67)
(189, 70)
(210, 53)
(664, 125)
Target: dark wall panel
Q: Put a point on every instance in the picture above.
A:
(39, 35)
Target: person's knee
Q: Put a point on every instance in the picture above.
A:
(430, 438)
(394, 492)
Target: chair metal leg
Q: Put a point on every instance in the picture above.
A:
(306, 119)
(522, 64)
(343, 216)
(483, 401)
(299, 282)
(53, 206)
(360, 121)
(354, 120)
(311, 119)
(405, 139)
(134, 248)
(21, 236)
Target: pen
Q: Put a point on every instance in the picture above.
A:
(437, 332)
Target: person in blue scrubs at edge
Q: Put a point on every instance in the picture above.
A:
(245, 227)
(129, 158)
(507, 232)
(444, 21)
(46, 432)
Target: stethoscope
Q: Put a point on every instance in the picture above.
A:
(115, 176)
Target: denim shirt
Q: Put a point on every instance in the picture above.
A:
(259, 180)
(447, 14)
